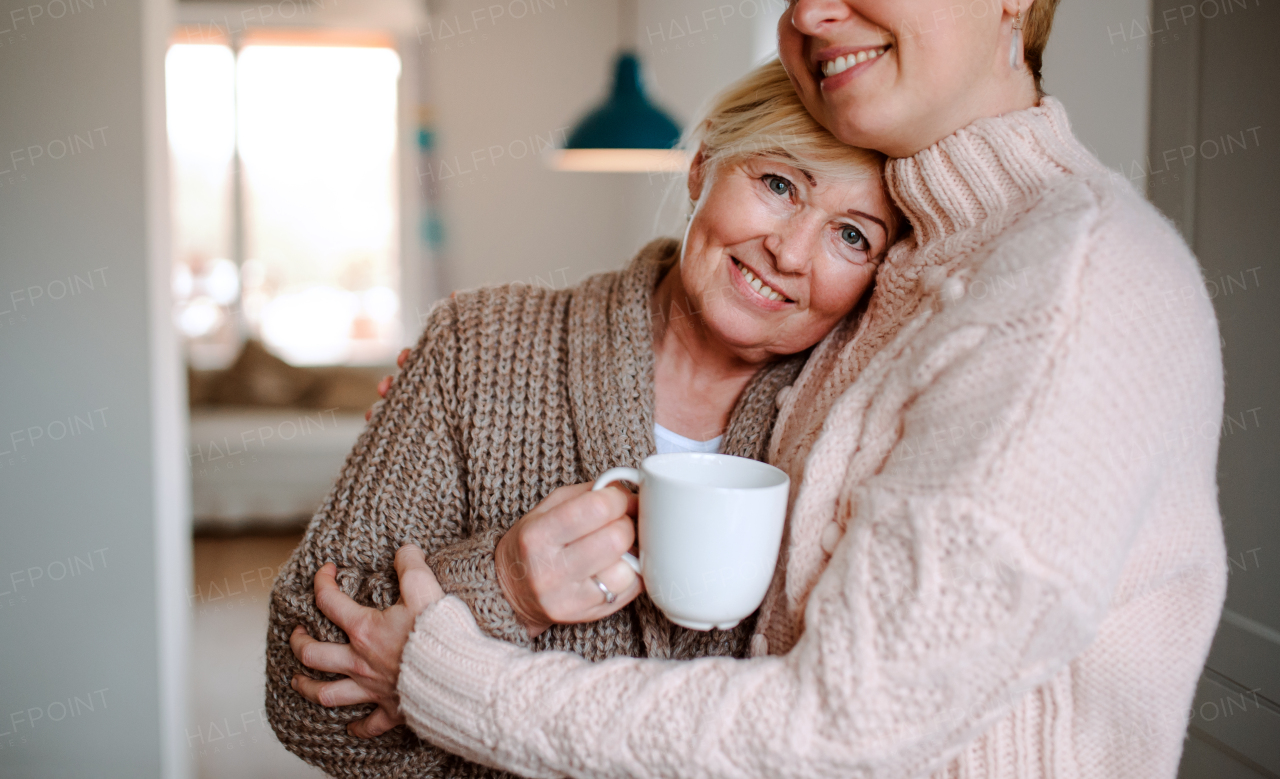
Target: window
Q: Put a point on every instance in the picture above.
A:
(284, 194)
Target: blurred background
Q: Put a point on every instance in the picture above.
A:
(219, 222)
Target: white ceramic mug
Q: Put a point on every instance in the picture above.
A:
(710, 526)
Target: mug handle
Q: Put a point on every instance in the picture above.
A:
(621, 474)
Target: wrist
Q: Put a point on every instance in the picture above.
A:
(506, 564)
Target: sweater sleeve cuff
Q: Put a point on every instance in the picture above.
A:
(466, 569)
(446, 675)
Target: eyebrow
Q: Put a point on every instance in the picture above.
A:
(877, 220)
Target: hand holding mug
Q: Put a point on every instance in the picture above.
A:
(710, 529)
(561, 562)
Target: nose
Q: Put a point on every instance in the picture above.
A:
(792, 247)
(811, 16)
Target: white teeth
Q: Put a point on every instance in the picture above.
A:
(757, 284)
(841, 64)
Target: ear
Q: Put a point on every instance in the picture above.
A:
(698, 173)
(1014, 7)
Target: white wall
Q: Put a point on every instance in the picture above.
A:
(93, 541)
(1098, 63)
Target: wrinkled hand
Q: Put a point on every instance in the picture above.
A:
(546, 560)
(371, 662)
(385, 384)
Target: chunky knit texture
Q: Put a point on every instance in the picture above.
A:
(510, 393)
(1004, 556)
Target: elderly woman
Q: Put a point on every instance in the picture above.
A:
(975, 581)
(514, 392)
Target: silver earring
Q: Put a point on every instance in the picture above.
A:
(1015, 45)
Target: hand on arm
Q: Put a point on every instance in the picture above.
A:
(548, 559)
(371, 662)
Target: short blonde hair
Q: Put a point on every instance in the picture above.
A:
(761, 115)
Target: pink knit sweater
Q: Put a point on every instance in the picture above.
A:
(1004, 556)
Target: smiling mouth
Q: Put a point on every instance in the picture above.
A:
(758, 285)
(841, 64)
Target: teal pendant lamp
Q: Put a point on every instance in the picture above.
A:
(627, 134)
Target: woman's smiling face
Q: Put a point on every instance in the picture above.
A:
(775, 256)
(898, 75)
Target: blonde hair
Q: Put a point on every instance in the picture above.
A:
(1035, 35)
(761, 115)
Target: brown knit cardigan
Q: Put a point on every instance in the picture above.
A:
(511, 392)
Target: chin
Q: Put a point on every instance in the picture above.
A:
(857, 128)
(741, 330)
(869, 122)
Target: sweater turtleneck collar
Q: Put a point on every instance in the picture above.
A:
(989, 170)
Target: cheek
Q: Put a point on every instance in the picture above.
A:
(700, 270)
(838, 290)
(791, 52)
(952, 60)
(790, 44)
(734, 215)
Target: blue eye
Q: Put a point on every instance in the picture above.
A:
(777, 184)
(853, 236)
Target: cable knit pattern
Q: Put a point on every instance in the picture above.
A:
(510, 393)
(1003, 556)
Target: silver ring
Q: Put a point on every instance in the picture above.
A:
(609, 596)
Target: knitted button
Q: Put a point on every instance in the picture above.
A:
(953, 289)
(759, 645)
(831, 535)
(932, 278)
(783, 394)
